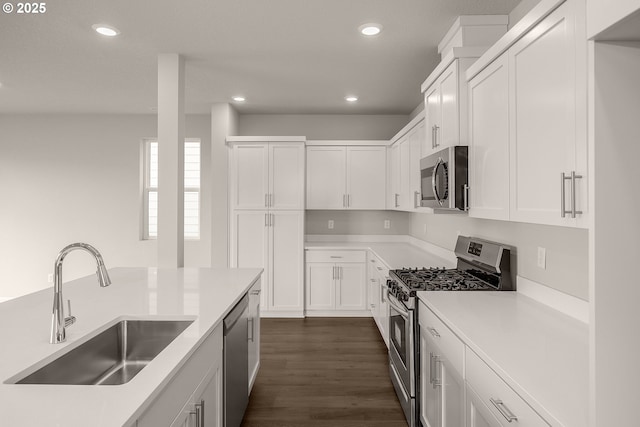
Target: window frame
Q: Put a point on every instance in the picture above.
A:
(146, 188)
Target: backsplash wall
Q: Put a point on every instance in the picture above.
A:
(566, 248)
(356, 222)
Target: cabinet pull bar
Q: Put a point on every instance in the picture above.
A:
(266, 221)
(335, 257)
(270, 199)
(256, 292)
(563, 201)
(573, 194)
(396, 200)
(504, 411)
(436, 133)
(266, 200)
(250, 329)
(433, 332)
(465, 196)
(433, 137)
(433, 364)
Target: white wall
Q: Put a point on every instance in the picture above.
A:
(323, 126)
(356, 222)
(67, 178)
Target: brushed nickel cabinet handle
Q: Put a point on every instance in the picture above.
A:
(573, 194)
(504, 411)
(433, 332)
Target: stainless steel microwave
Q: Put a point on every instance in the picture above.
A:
(444, 179)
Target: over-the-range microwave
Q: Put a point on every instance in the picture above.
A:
(444, 179)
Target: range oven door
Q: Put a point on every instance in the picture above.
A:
(401, 356)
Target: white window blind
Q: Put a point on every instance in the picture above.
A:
(191, 189)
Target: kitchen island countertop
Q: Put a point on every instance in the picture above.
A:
(204, 295)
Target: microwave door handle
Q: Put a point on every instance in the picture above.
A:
(434, 181)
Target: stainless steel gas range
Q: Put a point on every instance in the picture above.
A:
(482, 266)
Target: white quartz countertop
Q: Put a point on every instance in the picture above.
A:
(206, 295)
(394, 254)
(540, 352)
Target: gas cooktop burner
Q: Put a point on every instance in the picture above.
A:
(439, 279)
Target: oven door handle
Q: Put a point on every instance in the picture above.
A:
(397, 306)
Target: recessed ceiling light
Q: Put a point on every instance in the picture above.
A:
(106, 30)
(239, 98)
(370, 29)
(351, 98)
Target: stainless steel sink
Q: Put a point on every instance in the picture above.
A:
(114, 356)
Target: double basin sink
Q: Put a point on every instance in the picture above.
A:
(112, 357)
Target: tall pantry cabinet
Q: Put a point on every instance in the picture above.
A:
(267, 194)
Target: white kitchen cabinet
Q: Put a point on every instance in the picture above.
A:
(490, 391)
(254, 333)
(476, 412)
(198, 384)
(489, 142)
(378, 273)
(273, 240)
(335, 283)
(346, 177)
(267, 175)
(405, 177)
(547, 73)
(445, 97)
(441, 378)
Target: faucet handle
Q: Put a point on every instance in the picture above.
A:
(69, 320)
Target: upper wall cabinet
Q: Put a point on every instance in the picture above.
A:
(404, 167)
(346, 177)
(489, 142)
(540, 67)
(267, 175)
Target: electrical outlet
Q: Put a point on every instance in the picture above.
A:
(330, 224)
(542, 258)
(387, 224)
(50, 278)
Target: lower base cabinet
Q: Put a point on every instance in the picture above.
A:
(254, 333)
(191, 399)
(378, 290)
(336, 283)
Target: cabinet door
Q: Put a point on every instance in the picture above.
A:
(448, 132)
(249, 244)
(433, 111)
(476, 413)
(543, 117)
(366, 177)
(406, 200)
(326, 182)
(286, 176)
(254, 333)
(250, 176)
(211, 400)
(452, 385)
(286, 260)
(417, 138)
(351, 290)
(320, 284)
(489, 142)
(430, 395)
(394, 177)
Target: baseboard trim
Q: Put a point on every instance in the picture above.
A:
(335, 313)
(282, 314)
(564, 303)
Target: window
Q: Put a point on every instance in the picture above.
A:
(191, 189)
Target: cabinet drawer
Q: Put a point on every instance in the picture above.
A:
(336, 256)
(504, 403)
(376, 264)
(449, 344)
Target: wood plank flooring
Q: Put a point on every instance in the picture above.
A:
(319, 372)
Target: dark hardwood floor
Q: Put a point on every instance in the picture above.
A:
(321, 372)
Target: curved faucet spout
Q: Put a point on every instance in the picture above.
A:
(58, 320)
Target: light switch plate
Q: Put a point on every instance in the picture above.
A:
(330, 224)
(542, 258)
(387, 224)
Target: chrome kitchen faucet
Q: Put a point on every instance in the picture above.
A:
(58, 321)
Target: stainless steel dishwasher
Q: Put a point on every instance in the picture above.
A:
(236, 363)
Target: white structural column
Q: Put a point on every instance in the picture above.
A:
(224, 122)
(171, 132)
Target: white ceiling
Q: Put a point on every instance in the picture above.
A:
(285, 56)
